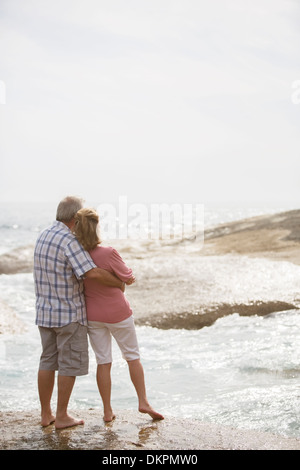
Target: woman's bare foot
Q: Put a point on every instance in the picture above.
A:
(108, 419)
(108, 416)
(67, 422)
(47, 419)
(148, 409)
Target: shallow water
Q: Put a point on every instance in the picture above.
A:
(240, 371)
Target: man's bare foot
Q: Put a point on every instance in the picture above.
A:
(47, 419)
(67, 422)
(148, 409)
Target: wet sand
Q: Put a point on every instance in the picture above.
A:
(132, 431)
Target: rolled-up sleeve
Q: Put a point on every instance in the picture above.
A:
(119, 267)
(79, 259)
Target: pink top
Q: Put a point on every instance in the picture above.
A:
(107, 304)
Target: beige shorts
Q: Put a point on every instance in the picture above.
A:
(124, 333)
(65, 349)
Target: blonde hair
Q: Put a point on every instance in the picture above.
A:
(86, 222)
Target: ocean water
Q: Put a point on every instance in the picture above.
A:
(241, 371)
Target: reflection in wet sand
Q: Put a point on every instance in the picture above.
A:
(130, 430)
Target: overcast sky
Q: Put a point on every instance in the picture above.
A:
(158, 100)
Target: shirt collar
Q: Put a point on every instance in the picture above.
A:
(58, 223)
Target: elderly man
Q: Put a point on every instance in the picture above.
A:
(60, 264)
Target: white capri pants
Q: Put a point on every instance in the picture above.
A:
(124, 333)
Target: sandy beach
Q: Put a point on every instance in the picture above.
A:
(132, 431)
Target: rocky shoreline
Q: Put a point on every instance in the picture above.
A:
(275, 237)
(132, 431)
(206, 316)
(271, 237)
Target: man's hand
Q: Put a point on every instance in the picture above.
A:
(104, 277)
(130, 281)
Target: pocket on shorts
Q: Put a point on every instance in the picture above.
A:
(79, 354)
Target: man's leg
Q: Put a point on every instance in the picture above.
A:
(72, 345)
(45, 387)
(65, 386)
(46, 373)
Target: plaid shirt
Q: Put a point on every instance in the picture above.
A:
(59, 264)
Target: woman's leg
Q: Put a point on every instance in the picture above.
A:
(137, 377)
(125, 335)
(104, 386)
(100, 339)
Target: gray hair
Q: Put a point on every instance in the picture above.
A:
(68, 207)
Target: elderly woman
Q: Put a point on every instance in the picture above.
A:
(109, 314)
